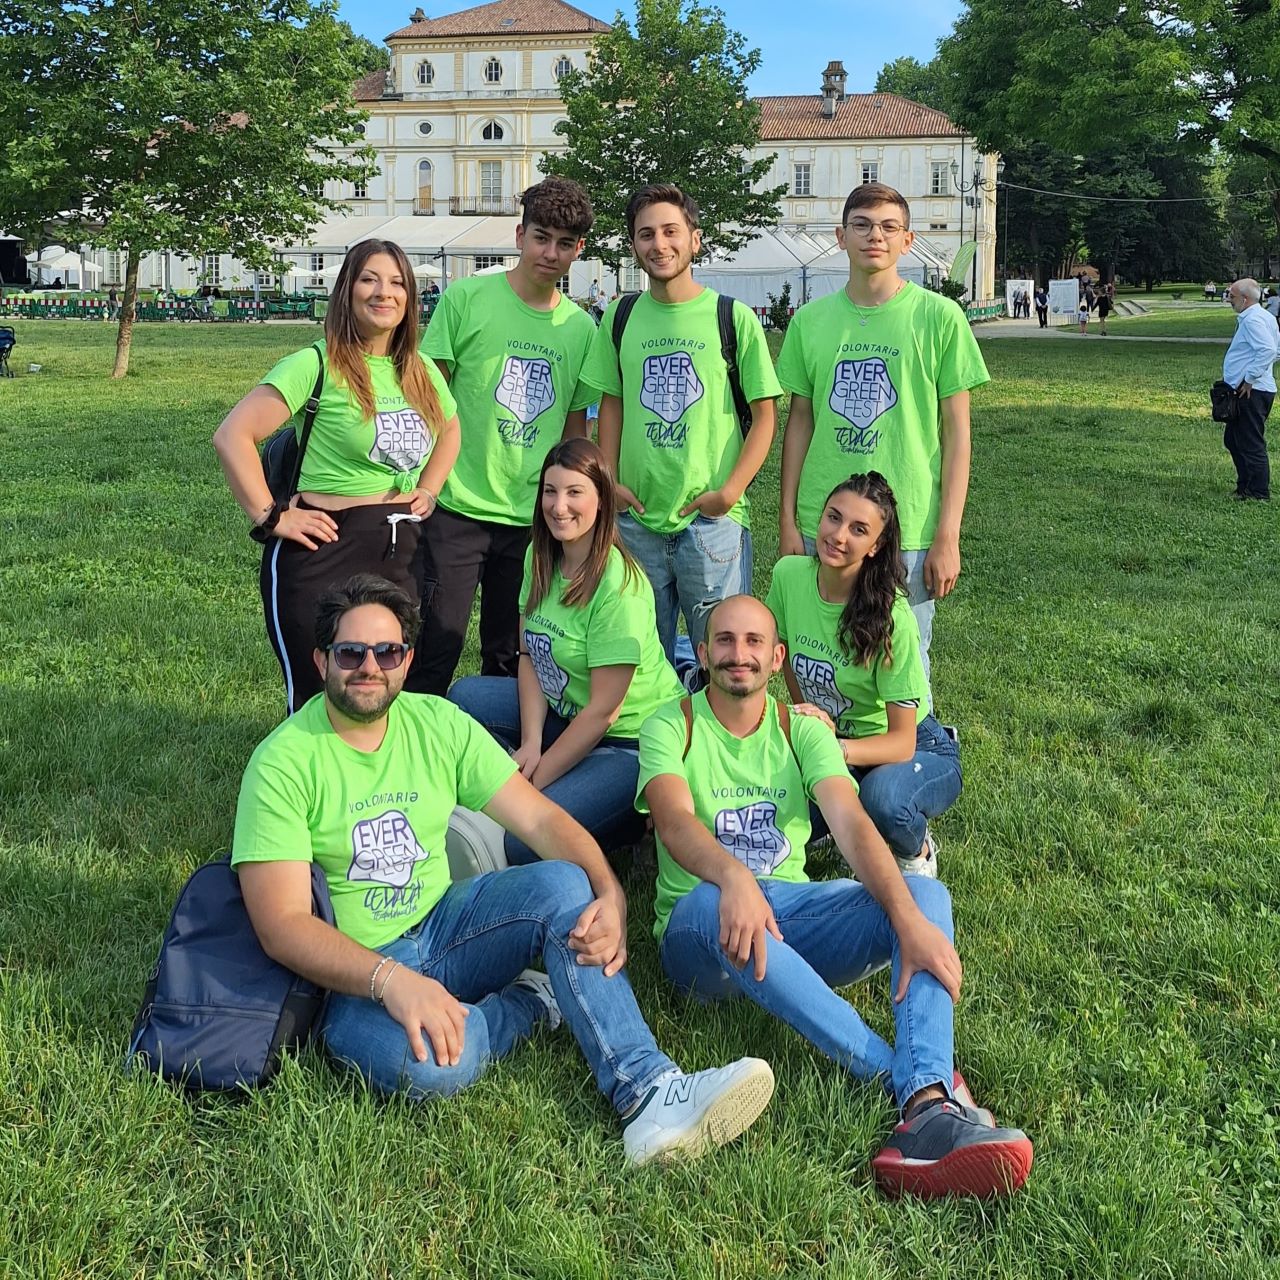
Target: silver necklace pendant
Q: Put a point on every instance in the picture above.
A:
(863, 322)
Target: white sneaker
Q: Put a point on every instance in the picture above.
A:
(926, 862)
(690, 1114)
(539, 984)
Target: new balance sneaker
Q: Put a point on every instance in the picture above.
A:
(945, 1149)
(925, 863)
(686, 1115)
(537, 982)
(960, 1091)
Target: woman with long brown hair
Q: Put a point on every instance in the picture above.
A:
(853, 661)
(384, 439)
(591, 667)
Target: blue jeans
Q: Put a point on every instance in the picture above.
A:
(474, 942)
(599, 791)
(835, 933)
(691, 571)
(922, 603)
(901, 798)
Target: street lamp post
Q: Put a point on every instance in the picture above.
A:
(975, 184)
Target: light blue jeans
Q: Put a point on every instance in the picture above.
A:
(922, 603)
(901, 798)
(475, 941)
(599, 791)
(835, 933)
(691, 571)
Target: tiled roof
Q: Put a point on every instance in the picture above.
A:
(506, 17)
(860, 115)
(369, 88)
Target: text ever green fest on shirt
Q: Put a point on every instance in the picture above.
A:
(348, 454)
(515, 371)
(876, 377)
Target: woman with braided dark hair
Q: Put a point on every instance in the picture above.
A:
(853, 661)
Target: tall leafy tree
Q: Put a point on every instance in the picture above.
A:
(667, 101)
(206, 126)
(923, 82)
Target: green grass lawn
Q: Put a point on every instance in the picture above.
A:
(1110, 657)
(1206, 320)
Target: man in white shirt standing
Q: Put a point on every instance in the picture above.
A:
(1247, 367)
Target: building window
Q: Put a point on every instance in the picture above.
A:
(631, 279)
(424, 128)
(359, 129)
(490, 180)
(802, 182)
(493, 71)
(426, 175)
(563, 283)
(489, 260)
(317, 266)
(939, 178)
(116, 263)
(562, 68)
(870, 171)
(426, 73)
(211, 269)
(360, 190)
(937, 226)
(493, 132)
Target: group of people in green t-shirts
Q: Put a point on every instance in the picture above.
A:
(463, 464)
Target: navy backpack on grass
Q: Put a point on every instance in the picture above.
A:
(217, 1011)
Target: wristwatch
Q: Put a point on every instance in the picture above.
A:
(265, 527)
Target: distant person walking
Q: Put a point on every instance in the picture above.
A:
(1105, 308)
(1082, 312)
(1247, 367)
(1042, 307)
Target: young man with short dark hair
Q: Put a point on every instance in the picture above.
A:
(429, 980)
(512, 347)
(668, 425)
(728, 776)
(880, 374)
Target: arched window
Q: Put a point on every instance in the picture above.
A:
(493, 132)
(426, 73)
(425, 202)
(493, 71)
(563, 67)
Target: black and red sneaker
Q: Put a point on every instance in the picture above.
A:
(945, 1149)
(960, 1092)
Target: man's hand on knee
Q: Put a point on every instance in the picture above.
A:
(745, 918)
(419, 1004)
(600, 936)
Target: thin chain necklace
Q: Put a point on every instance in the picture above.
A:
(864, 316)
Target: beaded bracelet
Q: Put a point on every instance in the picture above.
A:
(373, 977)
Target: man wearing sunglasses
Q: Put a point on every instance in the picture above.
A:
(430, 980)
(880, 374)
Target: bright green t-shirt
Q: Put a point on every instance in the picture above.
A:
(515, 371)
(854, 696)
(351, 455)
(617, 627)
(876, 378)
(751, 793)
(375, 821)
(680, 432)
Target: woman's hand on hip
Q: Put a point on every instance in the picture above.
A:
(306, 526)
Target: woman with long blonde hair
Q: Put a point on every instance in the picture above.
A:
(384, 439)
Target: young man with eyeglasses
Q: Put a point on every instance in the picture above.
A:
(512, 347)
(430, 980)
(880, 374)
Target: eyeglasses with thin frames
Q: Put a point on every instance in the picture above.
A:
(350, 654)
(862, 227)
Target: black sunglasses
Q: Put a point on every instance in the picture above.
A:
(349, 654)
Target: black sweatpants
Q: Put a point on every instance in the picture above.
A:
(1244, 437)
(460, 554)
(292, 580)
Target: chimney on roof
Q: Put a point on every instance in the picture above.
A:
(833, 79)
(418, 15)
(829, 100)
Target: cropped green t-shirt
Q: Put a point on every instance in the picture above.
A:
(349, 455)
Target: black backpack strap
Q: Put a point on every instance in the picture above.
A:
(621, 314)
(686, 706)
(729, 350)
(313, 404)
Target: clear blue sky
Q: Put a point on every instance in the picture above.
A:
(796, 40)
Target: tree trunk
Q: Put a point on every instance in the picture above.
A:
(128, 311)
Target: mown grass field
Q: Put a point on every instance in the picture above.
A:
(1207, 320)
(1110, 657)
